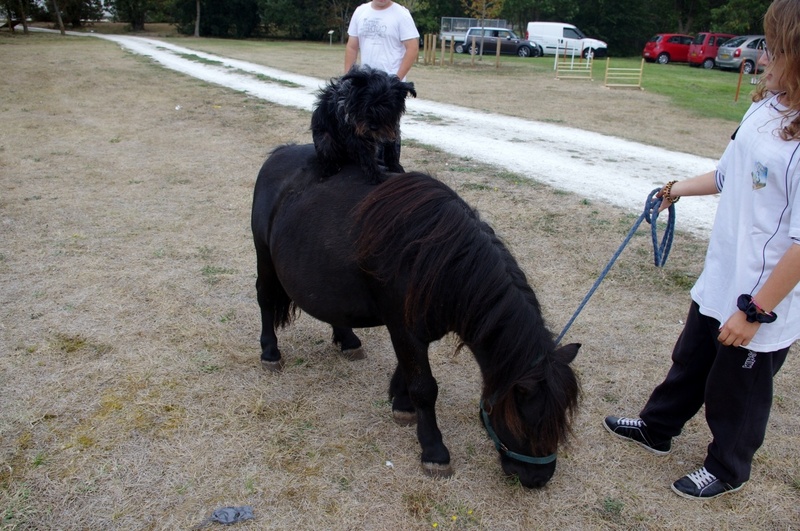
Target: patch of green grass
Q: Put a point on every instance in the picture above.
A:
(212, 273)
(476, 186)
(682, 279)
(612, 507)
(706, 93)
(70, 344)
(206, 363)
(197, 59)
(39, 459)
(263, 77)
(17, 510)
(510, 176)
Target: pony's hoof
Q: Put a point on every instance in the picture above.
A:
(272, 366)
(437, 470)
(354, 354)
(404, 418)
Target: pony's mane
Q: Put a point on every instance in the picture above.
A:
(460, 277)
(458, 272)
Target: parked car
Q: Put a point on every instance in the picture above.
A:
(554, 37)
(508, 40)
(742, 52)
(703, 50)
(665, 47)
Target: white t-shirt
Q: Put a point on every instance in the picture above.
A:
(757, 220)
(381, 33)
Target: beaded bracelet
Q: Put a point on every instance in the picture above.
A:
(665, 193)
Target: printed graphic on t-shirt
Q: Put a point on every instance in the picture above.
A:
(373, 28)
(759, 176)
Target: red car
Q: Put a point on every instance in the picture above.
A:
(665, 47)
(704, 48)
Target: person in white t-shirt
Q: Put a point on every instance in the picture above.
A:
(383, 33)
(745, 311)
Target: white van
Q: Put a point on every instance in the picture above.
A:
(553, 37)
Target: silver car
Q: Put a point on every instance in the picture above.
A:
(742, 52)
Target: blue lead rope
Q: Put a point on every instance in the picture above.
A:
(660, 250)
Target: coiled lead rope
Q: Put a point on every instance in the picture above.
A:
(660, 250)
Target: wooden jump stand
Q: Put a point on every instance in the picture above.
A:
(623, 77)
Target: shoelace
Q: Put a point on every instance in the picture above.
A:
(702, 478)
(630, 423)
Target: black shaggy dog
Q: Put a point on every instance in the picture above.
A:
(355, 115)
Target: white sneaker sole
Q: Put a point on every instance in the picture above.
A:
(624, 438)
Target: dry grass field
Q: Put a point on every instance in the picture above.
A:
(131, 393)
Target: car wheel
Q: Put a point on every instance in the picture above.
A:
(748, 67)
(537, 52)
(708, 64)
(460, 48)
(663, 58)
(474, 50)
(524, 51)
(586, 53)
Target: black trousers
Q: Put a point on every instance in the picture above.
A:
(734, 383)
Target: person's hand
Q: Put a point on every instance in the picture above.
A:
(737, 331)
(665, 204)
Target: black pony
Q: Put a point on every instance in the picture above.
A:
(410, 254)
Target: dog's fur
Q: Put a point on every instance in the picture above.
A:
(354, 115)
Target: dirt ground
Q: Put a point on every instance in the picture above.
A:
(131, 394)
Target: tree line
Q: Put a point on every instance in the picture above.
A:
(624, 24)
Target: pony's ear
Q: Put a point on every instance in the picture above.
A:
(568, 352)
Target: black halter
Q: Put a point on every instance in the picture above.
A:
(503, 449)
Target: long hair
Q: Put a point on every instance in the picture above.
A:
(782, 31)
(458, 276)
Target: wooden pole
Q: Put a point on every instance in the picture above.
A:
(472, 51)
(739, 84)
(497, 53)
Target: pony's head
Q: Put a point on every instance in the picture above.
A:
(533, 417)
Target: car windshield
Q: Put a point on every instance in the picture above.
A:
(699, 39)
(735, 42)
(655, 38)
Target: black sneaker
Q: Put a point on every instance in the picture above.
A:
(702, 485)
(636, 430)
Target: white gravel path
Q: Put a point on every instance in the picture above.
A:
(592, 165)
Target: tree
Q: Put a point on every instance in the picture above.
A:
(239, 19)
(740, 16)
(197, 21)
(133, 12)
(72, 12)
(482, 9)
(340, 13)
(17, 11)
(58, 17)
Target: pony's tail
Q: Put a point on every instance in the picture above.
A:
(272, 296)
(285, 310)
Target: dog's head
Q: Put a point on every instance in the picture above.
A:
(371, 102)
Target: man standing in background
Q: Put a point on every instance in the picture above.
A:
(386, 36)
